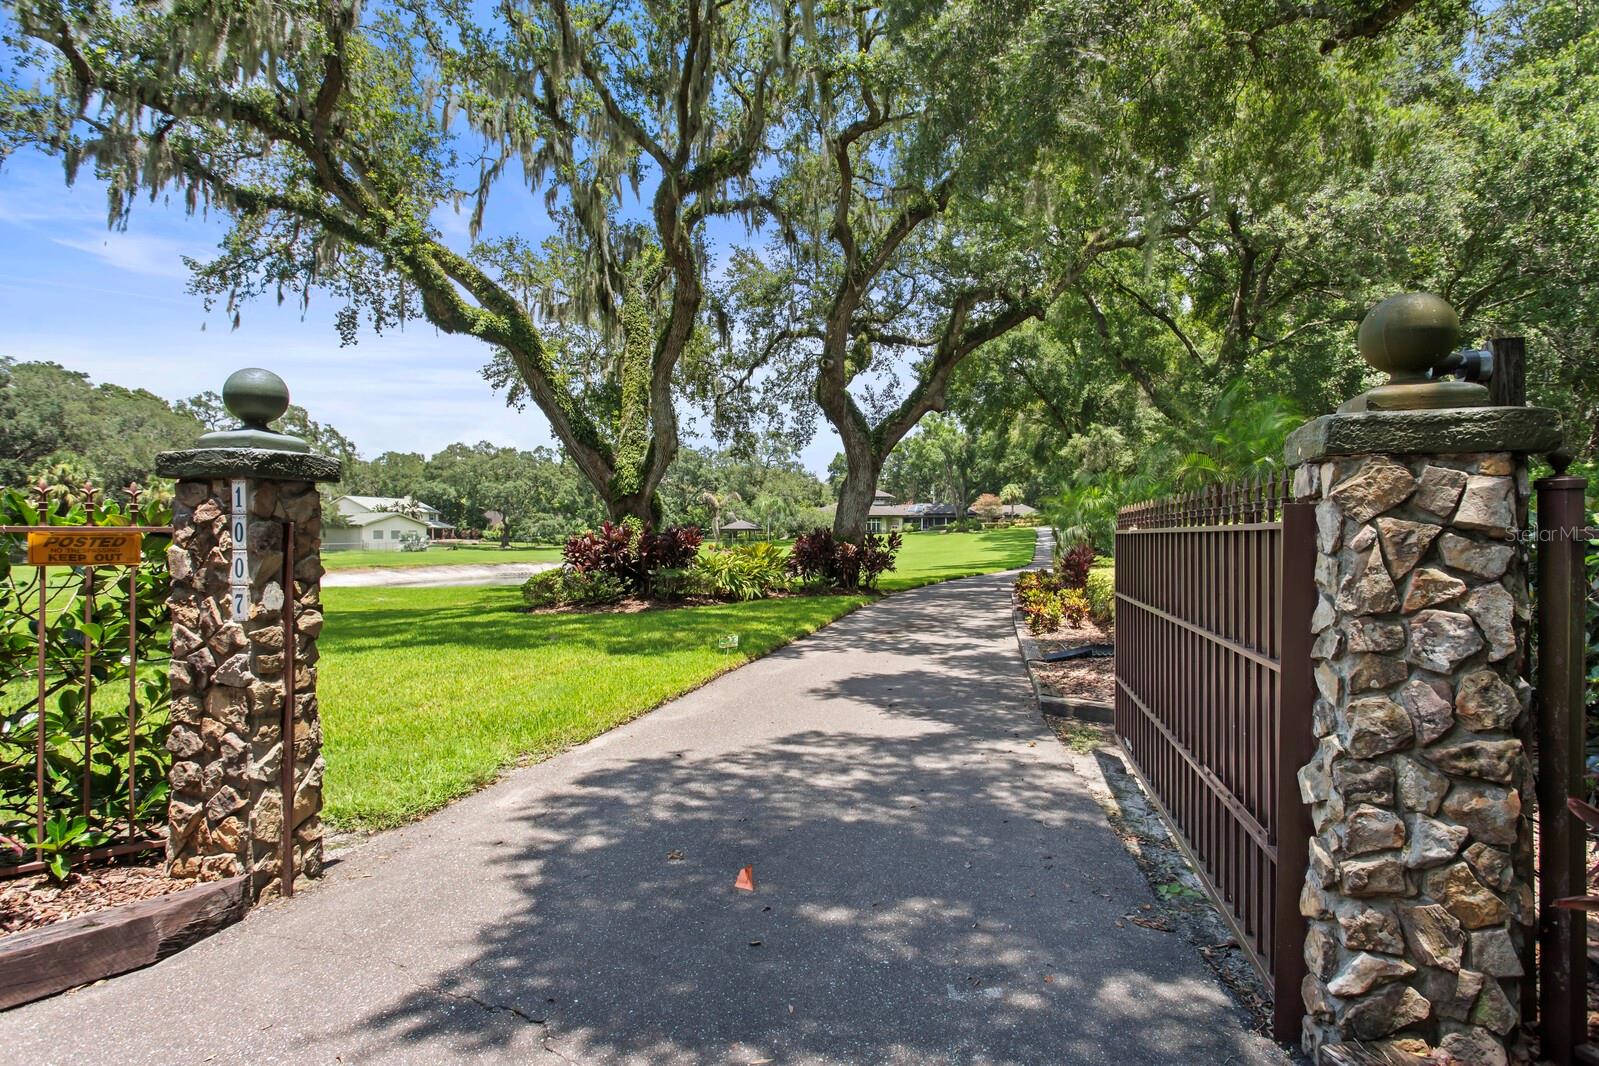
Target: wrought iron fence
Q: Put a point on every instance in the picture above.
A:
(84, 691)
(1214, 593)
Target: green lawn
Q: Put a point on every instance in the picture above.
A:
(427, 694)
(461, 556)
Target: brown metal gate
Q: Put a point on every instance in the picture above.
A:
(1214, 595)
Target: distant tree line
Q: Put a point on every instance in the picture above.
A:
(59, 426)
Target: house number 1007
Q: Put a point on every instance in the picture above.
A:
(239, 561)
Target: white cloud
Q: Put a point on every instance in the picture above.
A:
(136, 253)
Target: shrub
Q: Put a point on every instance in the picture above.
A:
(1046, 604)
(630, 553)
(745, 572)
(1101, 590)
(1073, 564)
(1073, 606)
(673, 548)
(566, 587)
(820, 557)
(1043, 615)
(611, 549)
(877, 557)
(812, 558)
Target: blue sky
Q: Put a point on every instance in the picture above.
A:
(115, 306)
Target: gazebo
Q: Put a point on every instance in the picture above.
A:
(739, 530)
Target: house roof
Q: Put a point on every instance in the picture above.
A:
(1012, 510)
(367, 518)
(388, 503)
(912, 510)
(740, 525)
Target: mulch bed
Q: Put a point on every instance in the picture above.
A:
(1076, 679)
(1087, 679)
(36, 901)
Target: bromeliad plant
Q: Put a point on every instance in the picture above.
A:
(84, 745)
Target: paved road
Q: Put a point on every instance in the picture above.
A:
(934, 885)
(419, 577)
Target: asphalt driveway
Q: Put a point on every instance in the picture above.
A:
(933, 885)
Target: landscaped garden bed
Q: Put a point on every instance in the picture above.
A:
(1091, 678)
(1069, 609)
(40, 900)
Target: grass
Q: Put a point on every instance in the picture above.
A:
(365, 558)
(428, 694)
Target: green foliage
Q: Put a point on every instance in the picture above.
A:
(105, 433)
(63, 835)
(1239, 436)
(71, 628)
(332, 134)
(565, 587)
(743, 572)
(1101, 591)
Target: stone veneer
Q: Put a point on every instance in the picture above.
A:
(225, 814)
(1419, 892)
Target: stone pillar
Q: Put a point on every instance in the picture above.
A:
(1420, 887)
(225, 815)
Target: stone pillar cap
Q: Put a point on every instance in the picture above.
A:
(263, 463)
(1533, 430)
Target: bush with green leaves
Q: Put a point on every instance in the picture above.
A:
(1101, 592)
(566, 587)
(86, 742)
(742, 573)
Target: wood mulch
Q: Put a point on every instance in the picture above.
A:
(1076, 679)
(36, 901)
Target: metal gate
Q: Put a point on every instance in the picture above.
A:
(1214, 596)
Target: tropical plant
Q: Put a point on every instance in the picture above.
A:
(1101, 591)
(819, 556)
(1073, 564)
(1046, 603)
(743, 572)
(630, 553)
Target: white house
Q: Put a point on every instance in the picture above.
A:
(383, 523)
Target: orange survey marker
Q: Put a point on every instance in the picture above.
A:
(746, 879)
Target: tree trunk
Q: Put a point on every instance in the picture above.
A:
(646, 507)
(505, 533)
(855, 494)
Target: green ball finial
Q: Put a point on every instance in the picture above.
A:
(255, 396)
(1409, 334)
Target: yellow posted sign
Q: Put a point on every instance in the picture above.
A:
(84, 547)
